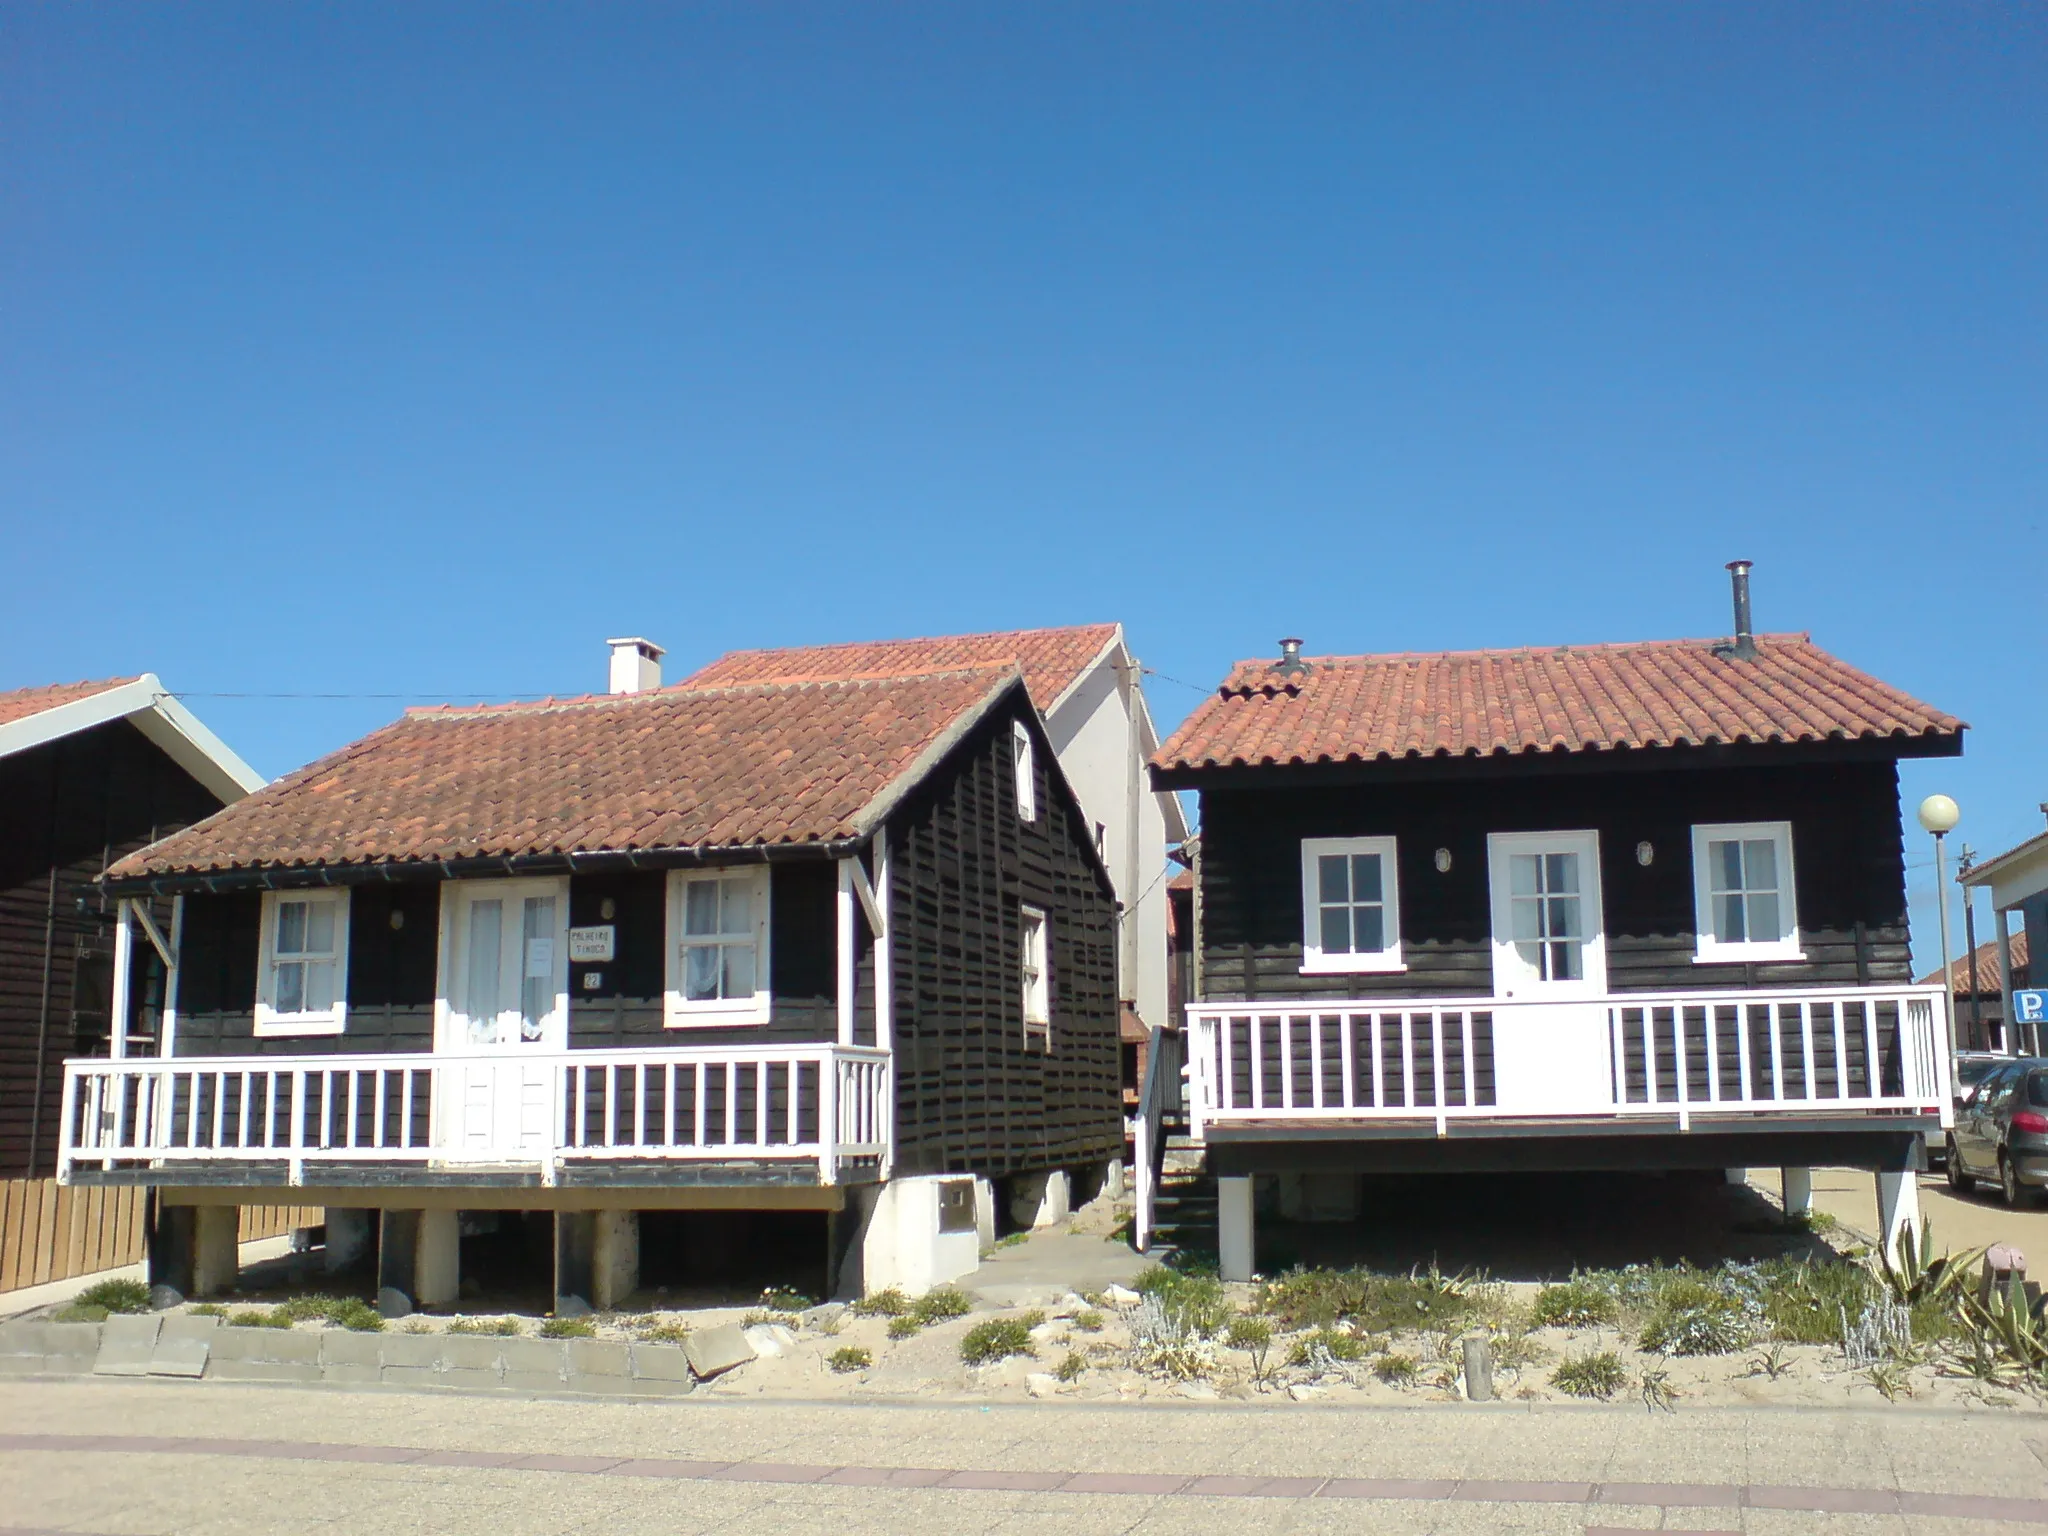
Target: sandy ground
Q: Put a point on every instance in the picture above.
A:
(1975, 1220)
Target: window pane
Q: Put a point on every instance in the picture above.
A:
(700, 971)
(1565, 963)
(1760, 864)
(700, 907)
(1563, 913)
(319, 985)
(320, 927)
(738, 916)
(1330, 878)
(1763, 918)
(1724, 864)
(1729, 926)
(1561, 871)
(1365, 877)
(1336, 930)
(291, 988)
(1522, 873)
(486, 952)
(1368, 929)
(291, 927)
(739, 970)
(1527, 915)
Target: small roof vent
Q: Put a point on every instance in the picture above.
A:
(1290, 663)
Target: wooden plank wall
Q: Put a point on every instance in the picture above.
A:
(51, 1232)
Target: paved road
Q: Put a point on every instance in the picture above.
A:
(1975, 1220)
(90, 1457)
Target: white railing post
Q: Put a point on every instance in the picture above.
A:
(828, 1119)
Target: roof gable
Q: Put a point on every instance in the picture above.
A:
(676, 769)
(30, 717)
(1664, 693)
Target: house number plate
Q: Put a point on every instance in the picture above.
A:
(592, 943)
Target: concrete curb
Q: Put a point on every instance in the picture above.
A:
(189, 1347)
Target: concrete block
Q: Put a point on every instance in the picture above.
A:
(164, 1297)
(615, 1258)
(409, 1376)
(68, 1339)
(605, 1386)
(822, 1318)
(541, 1359)
(280, 1346)
(470, 1354)
(349, 1375)
(1039, 1199)
(471, 1380)
(533, 1381)
(218, 1369)
(660, 1362)
(181, 1356)
(657, 1386)
(339, 1347)
(437, 1259)
(770, 1340)
(596, 1357)
(186, 1326)
(44, 1365)
(415, 1351)
(127, 1344)
(716, 1350)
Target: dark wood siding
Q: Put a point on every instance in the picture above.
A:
(68, 809)
(1847, 854)
(971, 1095)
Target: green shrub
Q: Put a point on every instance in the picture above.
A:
(783, 1298)
(1804, 1301)
(1013, 1240)
(350, 1312)
(568, 1328)
(1346, 1348)
(1694, 1317)
(115, 1296)
(996, 1339)
(79, 1312)
(849, 1359)
(663, 1333)
(1420, 1300)
(494, 1327)
(1575, 1304)
(1517, 1351)
(1090, 1321)
(757, 1318)
(253, 1317)
(209, 1309)
(904, 1327)
(1070, 1367)
(357, 1316)
(888, 1303)
(940, 1303)
(1396, 1370)
(1600, 1375)
(1195, 1303)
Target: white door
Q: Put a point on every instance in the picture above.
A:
(1551, 1047)
(503, 978)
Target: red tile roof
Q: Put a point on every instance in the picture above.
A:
(1578, 698)
(670, 769)
(1985, 967)
(20, 703)
(1050, 659)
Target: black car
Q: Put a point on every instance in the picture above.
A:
(2002, 1131)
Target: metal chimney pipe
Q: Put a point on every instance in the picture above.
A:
(1744, 648)
(1290, 663)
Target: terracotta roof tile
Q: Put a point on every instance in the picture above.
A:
(21, 703)
(1570, 699)
(1984, 968)
(669, 769)
(1050, 659)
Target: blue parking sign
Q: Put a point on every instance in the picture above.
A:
(2030, 1005)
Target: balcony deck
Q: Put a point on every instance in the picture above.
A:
(764, 1115)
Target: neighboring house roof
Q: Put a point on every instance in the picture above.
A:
(1978, 971)
(30, 717)
(1577, 698)
(689, 770)
(1052, 660)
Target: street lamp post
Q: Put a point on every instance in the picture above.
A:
(1939, 815)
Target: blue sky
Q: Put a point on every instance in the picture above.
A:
(412, 350)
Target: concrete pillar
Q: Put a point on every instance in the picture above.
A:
(1113, 1180)
(437, 1265)
(350, 1231)
(216, 1249)
(1898, 1207)
(398, 1252)
(615, 1259)
(1736, 1175)
(1039, 1199)
(985, 1212)
(1797, 1185)
(575, 1246)
(1234, 1234)
(169, 1239)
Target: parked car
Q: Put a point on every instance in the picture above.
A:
(2001, 1131)
(1971, 1068)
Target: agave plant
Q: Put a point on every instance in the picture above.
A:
(1913, 1274)
(2010, 1325)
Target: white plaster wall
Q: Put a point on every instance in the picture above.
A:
(903, 1246)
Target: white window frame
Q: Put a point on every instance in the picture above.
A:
(1314, 960)
(679, 1012)
(1510, 971)
(271, 1024)
(1024, 762)
(1709, 948)
(1034, 933)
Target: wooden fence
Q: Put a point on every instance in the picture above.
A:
(48, 1232)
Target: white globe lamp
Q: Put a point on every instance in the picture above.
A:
(1939, 814)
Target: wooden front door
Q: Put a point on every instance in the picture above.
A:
(507, 1004)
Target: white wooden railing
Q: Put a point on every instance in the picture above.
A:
(1625, 1054)
(826, 1104)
